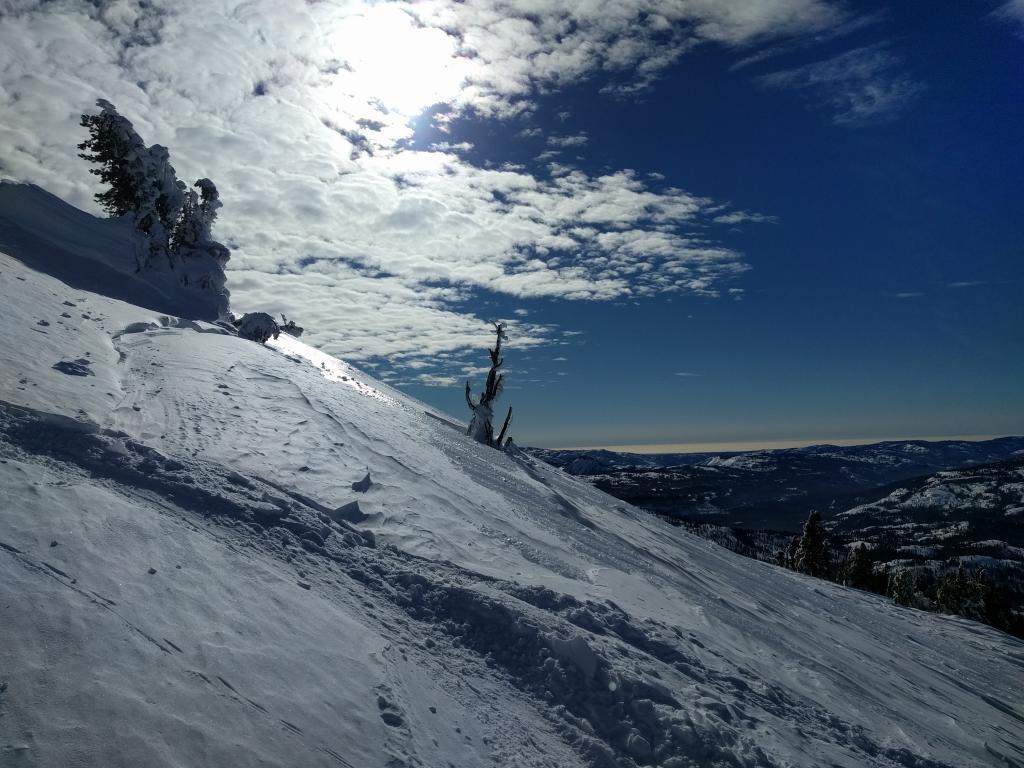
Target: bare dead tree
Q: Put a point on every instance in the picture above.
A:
(481, 426)
(500, 443)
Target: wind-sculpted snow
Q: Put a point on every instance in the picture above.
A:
(100, 255)
(214, 552)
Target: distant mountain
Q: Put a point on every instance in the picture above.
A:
(975, 514)
(963, 515)
(774, 488)
(918, 536)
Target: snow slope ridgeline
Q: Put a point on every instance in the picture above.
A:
(218, 553)
(103, 255)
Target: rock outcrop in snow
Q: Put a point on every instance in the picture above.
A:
(257, 326)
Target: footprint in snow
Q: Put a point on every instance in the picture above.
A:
(388, 713)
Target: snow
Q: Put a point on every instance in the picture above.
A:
(214, 552)
(101, 255)
(755, 461)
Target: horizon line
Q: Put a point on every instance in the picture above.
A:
(742, 446)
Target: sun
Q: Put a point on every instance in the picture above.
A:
(398, 64)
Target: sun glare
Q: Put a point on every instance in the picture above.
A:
(404, 67)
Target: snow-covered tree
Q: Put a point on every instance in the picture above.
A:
(160, 202)
(187, 233)
(209, 204)
(790, 554)
(968, 594)
(481, 427)
(175, 222)
(858, 568)
(902, 586)
(141, 180)
(116, 148)
(812, 555)
(257, 326)
(194, 231)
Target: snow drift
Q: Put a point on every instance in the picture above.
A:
(102, 255)
(214, 552)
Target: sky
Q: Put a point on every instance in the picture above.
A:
(743, 222)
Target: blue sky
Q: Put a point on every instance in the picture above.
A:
(706, 222)
(882, 301)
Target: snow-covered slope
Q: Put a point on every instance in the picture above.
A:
(214, 553)
(102, 255)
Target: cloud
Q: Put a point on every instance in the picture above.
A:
(862, 86)
(1011, 13)
(446, 146)
(575, 140)
(967, 283)
(530, 45)
(851, 24)
(908, 294)
(740, 217)
(302, 113)
(687, 374)
(435, 380)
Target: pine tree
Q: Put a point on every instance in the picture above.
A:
(114, 145)
(794, 545)
(812, 552)
(187, 233)
(480, 426)
(902, 587)
(141, 180)
(209, 204)
(952, 593)
(858, 568)
(161, 196)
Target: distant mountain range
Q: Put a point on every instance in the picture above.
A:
(975, 514)
(923, 510)
(772, 489)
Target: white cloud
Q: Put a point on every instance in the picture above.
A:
(530, 44)
(1012, 13)
(446, 146)
(436, 380)
(688, 375)
(740, 217)
(564, 141)
(861, 86)
(300, 112)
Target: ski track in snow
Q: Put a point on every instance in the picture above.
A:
(462, 607)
